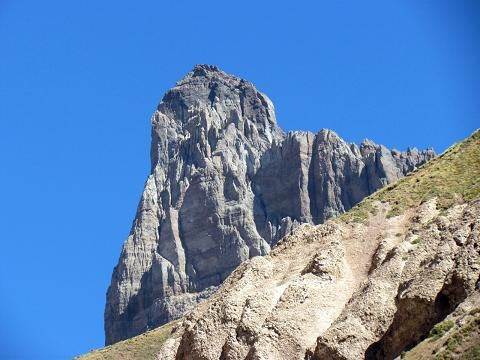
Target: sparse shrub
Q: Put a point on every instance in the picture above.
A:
(452, 343)
(472, 354)
(471, 326)
(444, 355)
(394, 211)
(440, 329)
(475, 311)
(416, 241)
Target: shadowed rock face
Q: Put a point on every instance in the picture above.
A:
(226, 184)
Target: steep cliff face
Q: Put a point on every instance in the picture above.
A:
(226, 184)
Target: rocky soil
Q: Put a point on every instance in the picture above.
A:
(341, 291)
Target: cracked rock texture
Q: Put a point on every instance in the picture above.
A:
(227, 184)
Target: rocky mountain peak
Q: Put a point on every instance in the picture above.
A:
(207, 73)
(208, 105)
(226, 184)
(204, 70)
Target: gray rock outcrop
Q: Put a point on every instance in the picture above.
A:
(226, 184)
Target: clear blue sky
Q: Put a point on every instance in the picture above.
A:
(79, 80)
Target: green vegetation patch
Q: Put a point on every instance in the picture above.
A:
(360, 212)
(472, 353)
(144, 346)
(416, 241)
(451, 340)
(440, 329)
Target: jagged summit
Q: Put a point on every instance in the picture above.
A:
(226, 184)
(231, 97)
(209, 105)
(204, 70)
(207, 73)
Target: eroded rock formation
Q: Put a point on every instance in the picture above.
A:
(341, 290)
(226, 184)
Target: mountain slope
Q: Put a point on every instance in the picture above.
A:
(369, 284)
(226, 184)
(401, 268)
(144, 346)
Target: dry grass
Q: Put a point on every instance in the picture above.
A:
(144, 346)
(452, 177)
